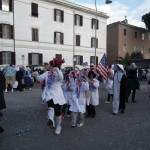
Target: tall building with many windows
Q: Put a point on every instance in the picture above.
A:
(35, 31)
(123, 37)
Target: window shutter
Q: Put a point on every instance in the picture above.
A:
(1, 58)
(97, 24)
(37, 34)
(92, 23)
(1, 31)
(90, 59)
(75, 19)
(62, 16)
(0, 4)
(96, 60)
(55, 37)
(77, 40)
(81, 20)
(40, 59)
(96, 43)
(10, 5)
(62, 38)
(59, 56)
(13, 60)
(29, 58)
(91, 42)
(34, 9)
(55, 14)
(81, 60)
(11, 32)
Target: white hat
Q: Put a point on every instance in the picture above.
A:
(116, 66)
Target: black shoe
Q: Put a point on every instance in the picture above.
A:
(73, 126)
(50, 124)
(127, 101)
(133, 101)
(1, 114)
(1, 129)
(114, 114)
(122, 111)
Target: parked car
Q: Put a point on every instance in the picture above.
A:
(67, 69)
(38, 68)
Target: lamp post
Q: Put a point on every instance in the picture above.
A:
(107, 2)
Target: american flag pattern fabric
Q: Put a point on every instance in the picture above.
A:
(51, 78)
(102, 67)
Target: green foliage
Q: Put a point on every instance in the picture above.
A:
(127, 59)
(136, 55)
(146, 20)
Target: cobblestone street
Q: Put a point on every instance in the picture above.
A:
(25, 126)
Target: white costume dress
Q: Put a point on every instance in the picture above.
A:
(116, 97)
(55, 92)
(93, 97)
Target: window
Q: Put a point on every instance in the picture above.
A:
(92, 60)
(135, 48)
(59, 56)
(94, 42)
(142, 51)
(6, 5)
(78, 20)
(124, 48)
(34, 9)
(143, 36)
(135, 34)
(35, 59)
(7, 57)
(95, 23)
(125, 32)
(77, 40)
(58, 38)
(78, 60)
(6, 31)
(35, 34)
(58, 15)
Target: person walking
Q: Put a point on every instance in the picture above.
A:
(10, 74)
(119, 89)
(2, 99)
(53, 93)
(132, 81)
(148, 82)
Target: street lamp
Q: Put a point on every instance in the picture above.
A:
(107, 2)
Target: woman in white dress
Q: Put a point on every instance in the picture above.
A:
(53, 93)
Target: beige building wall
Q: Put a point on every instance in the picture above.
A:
(136, 39)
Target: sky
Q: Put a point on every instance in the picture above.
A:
(118, 9)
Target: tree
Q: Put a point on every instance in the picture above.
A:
(146, 20)
(136, 55)
(124, 61)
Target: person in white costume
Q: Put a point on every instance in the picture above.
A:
(119, 89)
(109, 85)
(93, 97)
(53, 93)
(78, 104)
(68, 95)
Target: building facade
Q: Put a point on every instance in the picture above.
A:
(36, 31)
(123, 37)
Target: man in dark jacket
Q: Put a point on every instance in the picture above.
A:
(2, 99)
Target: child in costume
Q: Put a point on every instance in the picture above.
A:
(109, 85)
(68, 95)
(93, 99)
(79, 87)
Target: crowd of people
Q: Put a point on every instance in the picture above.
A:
(77, 93)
